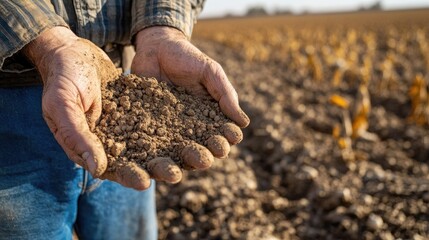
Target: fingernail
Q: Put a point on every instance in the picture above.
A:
(90, 163)
(246, 119)
(85, 155)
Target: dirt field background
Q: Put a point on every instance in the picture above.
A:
(301, 171)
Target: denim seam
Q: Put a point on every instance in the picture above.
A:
(84, 182)
(91, 187)
(87, 186)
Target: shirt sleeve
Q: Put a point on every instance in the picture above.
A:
(180, 14)
(21, 21)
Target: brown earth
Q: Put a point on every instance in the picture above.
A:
(151, 123)
(288, 178)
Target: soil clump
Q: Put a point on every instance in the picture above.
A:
(145, 121)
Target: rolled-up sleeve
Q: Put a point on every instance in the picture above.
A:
(21, 21)
(180, 14)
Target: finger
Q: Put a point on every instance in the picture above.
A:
(195, 156)
(164, 169)
(129, 175)
(218, 146)
(70, 128)
(232, 133)
(218, 85)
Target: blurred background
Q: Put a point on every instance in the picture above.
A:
(338, 145)
(223, 8)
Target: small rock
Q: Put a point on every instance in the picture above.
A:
(180, 107)
(146, 146)
(117, 130)
(212, 114)
(375, 173)
(374, 222)
(117, 149)
(280, 203)
(310, 172)
(140, 143)
(125, 102)
(386, 236)
(109, 143)
(367, 199)
(346, 195)
(206, 112)
(110, 107)
(250, 184)
(160, 132)
(418, 237)
(116, 115)
(189, 132)
(190, 112)
(359, 211)
(134, 136)
(193, 200)
(426, 197)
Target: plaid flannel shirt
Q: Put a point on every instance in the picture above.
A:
(100, 21)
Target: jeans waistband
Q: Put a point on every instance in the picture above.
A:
(25, 79)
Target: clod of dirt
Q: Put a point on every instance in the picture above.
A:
(157, 126)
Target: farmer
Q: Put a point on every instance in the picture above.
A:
(47, 187)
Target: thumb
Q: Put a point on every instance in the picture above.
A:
(67, 122)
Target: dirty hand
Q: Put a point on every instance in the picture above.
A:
(166, 54)
(72, 70)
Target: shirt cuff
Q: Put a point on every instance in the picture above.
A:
(180, 14)
(21, 21)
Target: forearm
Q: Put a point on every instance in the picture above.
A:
(22, 22)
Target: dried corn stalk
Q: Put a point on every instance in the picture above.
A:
(361, 114)
(342, 132)
(339, 101)
(419, 101)
(340, 69)
(314, 64)
(389, 79)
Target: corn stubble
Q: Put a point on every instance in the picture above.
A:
(348, 57)
(290, 179)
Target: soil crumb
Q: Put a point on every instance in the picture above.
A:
(143, 119)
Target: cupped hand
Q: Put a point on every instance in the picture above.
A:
(73, 70)
(166, 54)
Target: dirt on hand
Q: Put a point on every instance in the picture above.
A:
(157, 126)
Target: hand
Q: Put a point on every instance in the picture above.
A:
(166, 54)
(72, 70)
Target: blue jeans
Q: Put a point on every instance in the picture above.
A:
(44, 195)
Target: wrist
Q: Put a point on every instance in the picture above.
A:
(155, 35)
(42, 50)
